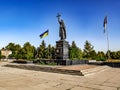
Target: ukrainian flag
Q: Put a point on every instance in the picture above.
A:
(44, 34)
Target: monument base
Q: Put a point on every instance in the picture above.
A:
(71, 62)
(62, 62)
(62, 48)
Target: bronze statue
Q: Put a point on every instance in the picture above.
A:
(62, 28)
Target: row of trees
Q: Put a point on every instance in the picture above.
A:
(30, 52)
(26, 52)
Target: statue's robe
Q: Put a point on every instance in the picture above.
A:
(62, 30)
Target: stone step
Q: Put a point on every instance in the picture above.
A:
(45, 69)
(58, 70)
(94, 70)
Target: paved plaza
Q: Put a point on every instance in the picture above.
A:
(20, 79)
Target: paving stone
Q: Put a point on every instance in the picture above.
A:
(107, 88)
(40, 87)
(3, 88)
(64, 86)
(111, 84)
(54, 88)
(19, 88)
(80, 88)
(19, 79)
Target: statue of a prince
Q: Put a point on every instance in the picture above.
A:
(62, 28)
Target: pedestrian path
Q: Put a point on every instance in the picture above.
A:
(95, 70)
(80, 70)
(21, 79)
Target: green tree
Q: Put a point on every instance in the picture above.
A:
(17, 53)
(75, 52)
(53, 52)
(0, 54)
(34, 52)
(88, 50)
(118, 54)
(49, 52)
(28, 51)
(93, 54)
(115, 55)
(42, 52)
(101, 56)
(11, 46)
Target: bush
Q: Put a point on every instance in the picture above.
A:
(20, 61)
(101, 58)
(45, 62)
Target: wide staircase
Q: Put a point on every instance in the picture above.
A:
(92, 71)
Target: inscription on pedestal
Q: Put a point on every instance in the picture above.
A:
(62, 50)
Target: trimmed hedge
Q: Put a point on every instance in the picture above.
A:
(20, 61)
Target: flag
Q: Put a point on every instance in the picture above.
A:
(105, 23)
(44, 34)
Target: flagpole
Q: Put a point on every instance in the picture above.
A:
(107, 43)
(48, 48)
(106, 30)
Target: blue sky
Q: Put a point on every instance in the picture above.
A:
(24, 20)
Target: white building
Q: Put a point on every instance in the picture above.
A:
(5, 53)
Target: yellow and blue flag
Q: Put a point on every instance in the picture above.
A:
(44, 34)
(105, 23)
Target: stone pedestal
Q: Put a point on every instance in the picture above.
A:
(62, 50)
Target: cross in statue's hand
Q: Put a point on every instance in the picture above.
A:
(58, 15)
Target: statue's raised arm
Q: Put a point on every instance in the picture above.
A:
(58, 16)
(62, 28)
